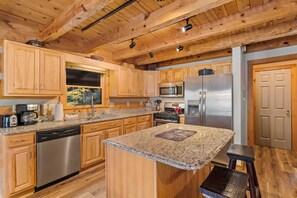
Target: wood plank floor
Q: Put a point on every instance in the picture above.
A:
(276, 170)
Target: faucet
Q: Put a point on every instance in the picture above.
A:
(92, 106)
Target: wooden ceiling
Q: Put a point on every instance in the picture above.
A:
(156, 26)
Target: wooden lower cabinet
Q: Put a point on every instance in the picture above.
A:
(92, 148)
(143, 125)
(21, 165)
(130, 128)
(110, 133)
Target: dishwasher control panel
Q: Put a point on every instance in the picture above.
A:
(56, 134)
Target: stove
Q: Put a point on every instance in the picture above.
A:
(169, 115)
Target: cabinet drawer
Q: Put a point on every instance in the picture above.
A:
(101, 126)
(143, 118)
(20, 140)
(132, 120)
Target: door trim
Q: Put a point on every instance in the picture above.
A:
(266, 64)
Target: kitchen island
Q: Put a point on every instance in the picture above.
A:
(170, 160)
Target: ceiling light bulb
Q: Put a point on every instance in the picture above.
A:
(187, 27)
(179, 48)
(132, 44)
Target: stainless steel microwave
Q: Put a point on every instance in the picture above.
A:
(172, 90)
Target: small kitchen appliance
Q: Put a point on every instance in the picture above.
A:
(157, 105)
(7, 121)
(27, 114)
(172, 90)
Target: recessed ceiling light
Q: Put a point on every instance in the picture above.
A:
(132, 44)
(179, 48)
(187, 27)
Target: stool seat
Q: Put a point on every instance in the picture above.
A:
(223, 182)
(241, 152)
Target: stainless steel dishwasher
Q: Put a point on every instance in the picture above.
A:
(58, 155)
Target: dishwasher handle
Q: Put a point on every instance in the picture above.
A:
(44, 136)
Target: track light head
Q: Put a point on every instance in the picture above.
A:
(179, 48)
(132, 44)
(187, 27)
(151, 54)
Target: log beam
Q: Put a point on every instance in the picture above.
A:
(253, 36)
(274, 10)
(163, 17)
(76, 13)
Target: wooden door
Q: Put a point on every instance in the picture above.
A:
(123, 81)
(21, 70)
(166, 76)
(130, 128)
(273, 108)
(151, 83)
(114, 132)
(92, 148)
(143, 125)
(222, 68)
(178, 75)
(52, 73)
(21, 168)
(133, 82)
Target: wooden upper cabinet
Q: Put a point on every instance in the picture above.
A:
(21, 70)
(222, 68)
(177, 74)
(123, 84)
(140, 80)
(151, 83)
(133, 82)
(166, 76)
(192, 71)
(52, 63)
(21, 168)
(172, 75)
(31, 71)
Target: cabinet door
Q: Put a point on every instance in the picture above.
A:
(52, 73)
(222, 68)
(140, 82)
(110, 133)
(92, 148)
(133, 82)
(21, 70)
(123, 81)
(178, 75)
(21, 168)
(143, 125)
(165, 76)
(130, 128)
(151, 83)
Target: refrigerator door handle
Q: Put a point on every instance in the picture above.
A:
(204, 108)
(200, 107)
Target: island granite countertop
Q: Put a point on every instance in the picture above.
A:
(48, 125)
(191, 153)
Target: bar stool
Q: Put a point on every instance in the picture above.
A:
(245, 154)
(224, 182)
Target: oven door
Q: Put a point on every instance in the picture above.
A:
(158, 122)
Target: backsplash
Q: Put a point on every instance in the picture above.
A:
(166, 100)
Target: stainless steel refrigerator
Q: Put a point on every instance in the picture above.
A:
(208, 102)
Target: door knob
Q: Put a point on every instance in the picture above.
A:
(288, 113)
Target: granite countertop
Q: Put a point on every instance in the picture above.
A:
(48, 125)
(191, 153)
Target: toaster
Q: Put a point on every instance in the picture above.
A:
(8, 121)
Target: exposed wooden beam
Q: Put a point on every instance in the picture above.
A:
(253, 36)
(163, 17)
(198, 57)
(77, 12)
(274, 10)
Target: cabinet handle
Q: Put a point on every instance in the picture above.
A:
(41, 86)
(36, 86)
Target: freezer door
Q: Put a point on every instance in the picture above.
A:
(217, 101)
(193, 99)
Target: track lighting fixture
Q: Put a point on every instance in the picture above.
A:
(132, 44)
(151, 54)
(179, 48)
(187, 27)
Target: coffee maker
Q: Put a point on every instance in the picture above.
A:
(27, 114)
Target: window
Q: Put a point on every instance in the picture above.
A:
(81, 85)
